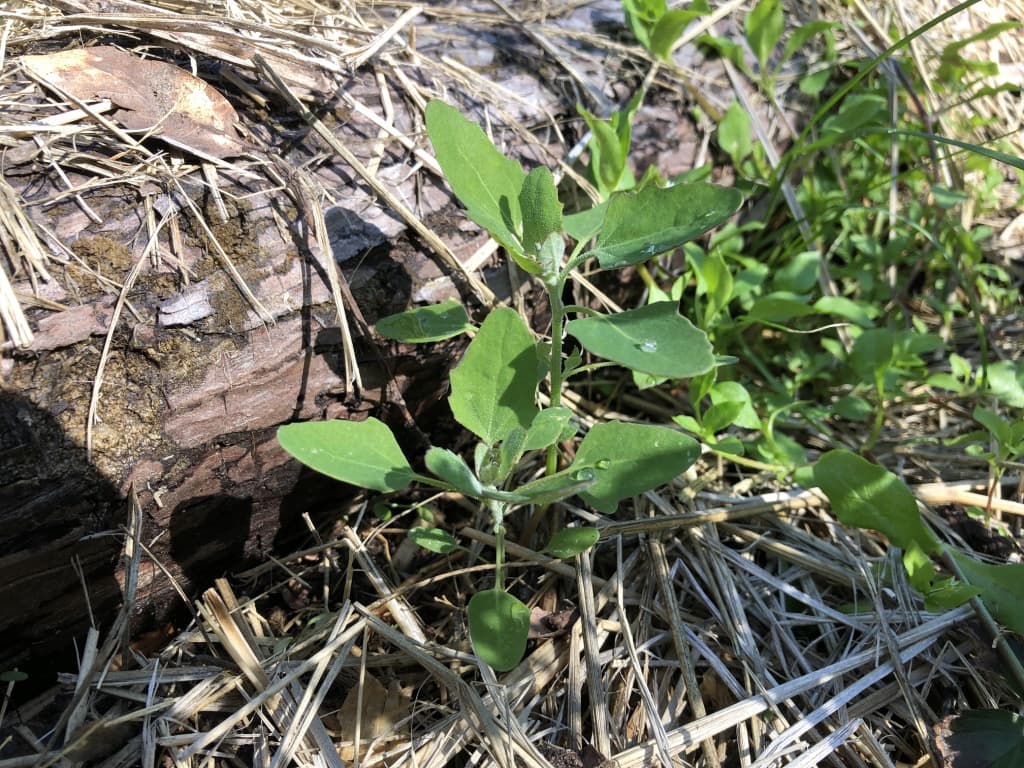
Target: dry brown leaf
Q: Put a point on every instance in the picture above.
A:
(383, 709)
(181, 109)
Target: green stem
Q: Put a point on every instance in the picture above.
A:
(497, 510)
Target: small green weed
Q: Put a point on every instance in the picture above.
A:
(495, 385)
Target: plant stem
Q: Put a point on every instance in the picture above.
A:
(497, 510)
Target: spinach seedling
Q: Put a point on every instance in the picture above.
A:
(494, 387)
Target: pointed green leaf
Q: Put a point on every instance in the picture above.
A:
(570, 542)
(668, 29)
(638, 225)
(494, 385)
(872, 353)
(454, 470)
(763, 28)
(510, 451)
(607, 159)
(734, 133)
(542, 212)
(629, 459)
(654, 339)
(363, 453)
(869, 496)
(434, 540)
(1002, 588)
(484, 180)
(499, 626)
(423, 324)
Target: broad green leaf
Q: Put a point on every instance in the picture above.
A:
(484, 180)
(721, 415)
(801, 35)
(868, 496)
(800, 274)
(570, 542)
(454, 470)
(733, 391)
(734, 133)
(434, 540)
(547, 428)
(499, 626)
(654, 339)
(1002, 588)
(638, 225)
(1005, 380)
(856, 111)
(763, 27)
(586, 224)
(840, 306)
(629, 459)
(668, 29)
(553, 488)
(872, 353)
(363, 453)
(542, 213)
(998, 426)
(423, 324)
(777, 308)
(494, 384)
(981, 738)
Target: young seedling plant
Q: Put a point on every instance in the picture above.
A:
(494, 388)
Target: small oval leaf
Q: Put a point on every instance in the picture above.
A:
(434, 539)
(499, 626)
(432, 323)
(363, 453)
(570, 542)
(654, 339)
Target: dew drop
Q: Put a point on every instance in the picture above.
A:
(650, 249)
(649, 346)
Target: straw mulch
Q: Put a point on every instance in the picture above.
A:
(719, 622)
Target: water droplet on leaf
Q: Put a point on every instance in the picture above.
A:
(649, 346)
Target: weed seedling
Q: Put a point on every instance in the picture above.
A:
(494, 388)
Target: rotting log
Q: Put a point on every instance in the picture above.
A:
(193, 388)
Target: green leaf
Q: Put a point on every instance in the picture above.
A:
(801, 35)
(484, 180)
(668, 29)
(499, 626)
(629, 459)
(869, 496)
(510, 450)
(553, 488)
(547, 428)
(840, 306)
(800, 274)
(434, 540)
(454, 470)
(981, 738)
(638, 225)
(1005, 380)
(763, 27)
(586, 224)
(363, 453)
(423, 324)
(872, 353)
(493, 387)
(542, 213)
(734, 133)
(607, 158)
(777, 308)
(1002, 588)
(721, 415)
(570, 542)
(654, 339)
(997, 426)
(856, 111)
(734, 392)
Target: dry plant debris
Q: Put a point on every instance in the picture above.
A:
(712, 629)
